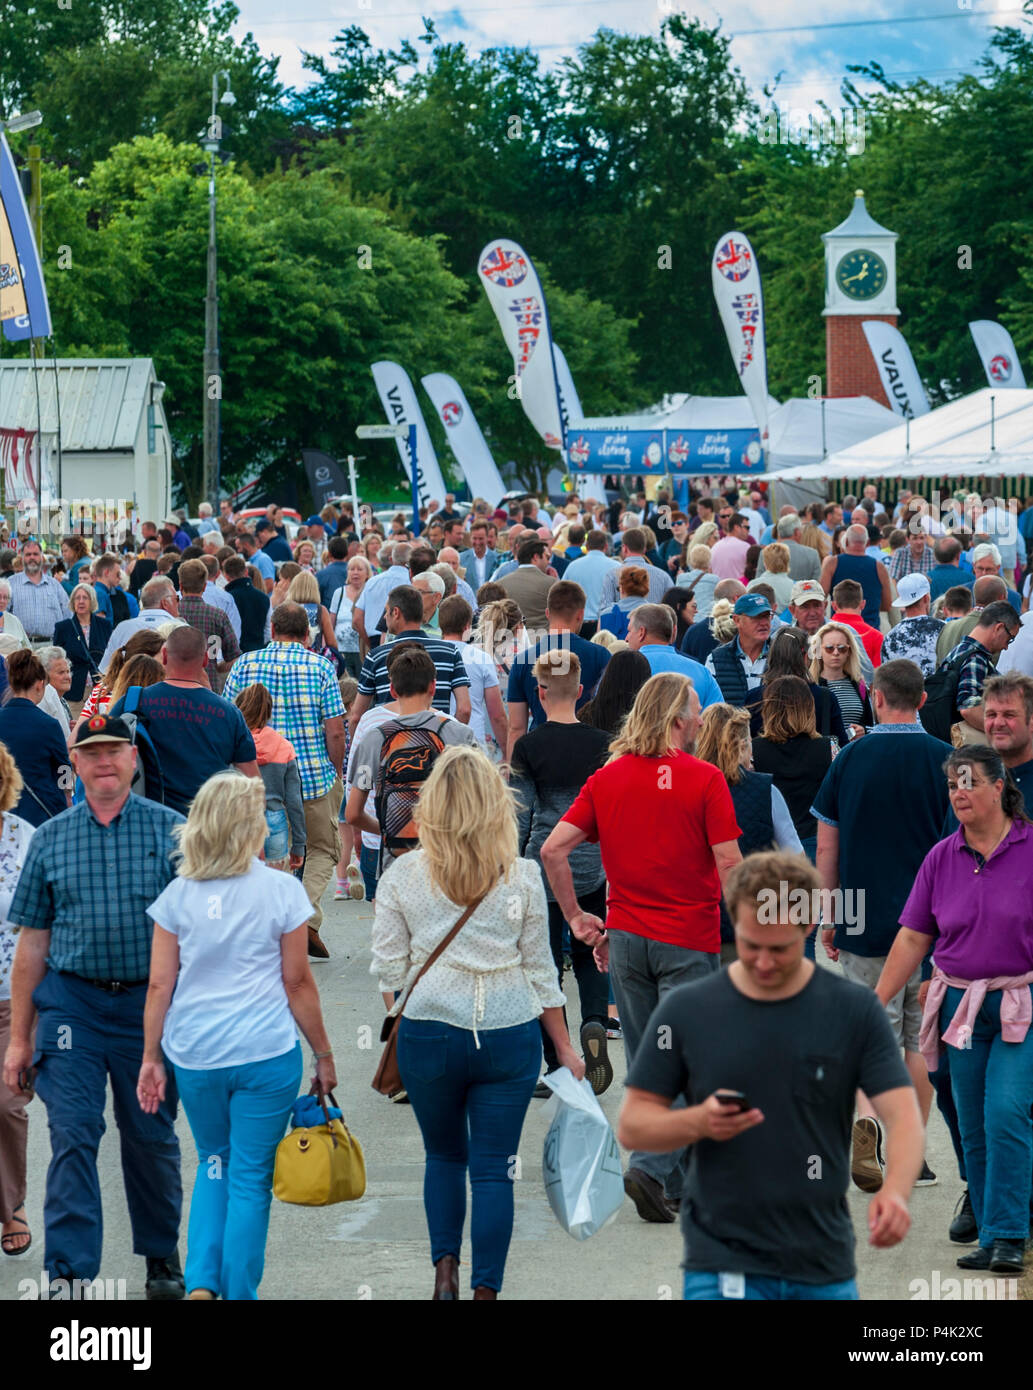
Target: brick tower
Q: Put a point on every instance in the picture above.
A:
(860, 283)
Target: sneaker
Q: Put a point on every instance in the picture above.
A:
(400, 1097)
(356, 891)
(165, 1279)
(867, 1164)
(613, 1029)
(598, 1071)
(648, 1196)
(340, 892)
(926, 1178)
(963, 1229)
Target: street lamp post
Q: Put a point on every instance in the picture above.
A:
(212, 142)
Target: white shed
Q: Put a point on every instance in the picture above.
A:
(87, 432)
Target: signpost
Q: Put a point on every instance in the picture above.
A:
(395, 432)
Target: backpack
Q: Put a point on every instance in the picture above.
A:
(407, 756)
(940, 711)
(147, 779)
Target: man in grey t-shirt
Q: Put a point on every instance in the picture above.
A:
(412, 675)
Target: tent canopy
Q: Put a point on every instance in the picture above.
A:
(988, 433)
(803, 431)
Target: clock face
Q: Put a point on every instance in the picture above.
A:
(861, 274)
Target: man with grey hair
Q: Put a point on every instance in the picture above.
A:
(804, 560)
(431, 588)
(206, 522)
(159, 605)
(871, 574)
(449, 557)
(986, 560)
(371, 603)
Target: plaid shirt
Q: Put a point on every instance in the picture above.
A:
(213, 622)
(903, 562)
(38, 607)
(305, 694)
(90, 886)
(974, 671)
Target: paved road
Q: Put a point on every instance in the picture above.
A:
(377, 1248)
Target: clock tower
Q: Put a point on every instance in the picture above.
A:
(860, 283)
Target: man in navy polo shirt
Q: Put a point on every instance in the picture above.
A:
(273, 544)
(880, 810)
(565, 612)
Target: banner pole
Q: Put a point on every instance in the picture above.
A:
(414, 471)
(357, 515)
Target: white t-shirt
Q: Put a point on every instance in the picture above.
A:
(483, 676)
(230, 1006)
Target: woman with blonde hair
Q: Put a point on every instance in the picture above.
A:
(469, 1043)
(369, 548)
(776, 572)
(708, 534)
(816, 538)
(760, 808)
(500, 632)
(15, 834)
(696, 576)
(243, 989)
(835, 663)
(304, 589)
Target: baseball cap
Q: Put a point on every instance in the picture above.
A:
(315, 521)
(103, 729)
(910, 589)
(752, 606)
(806, 591)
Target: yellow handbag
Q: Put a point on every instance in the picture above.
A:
(319, 1165)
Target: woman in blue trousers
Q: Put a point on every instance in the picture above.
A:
(229, 938)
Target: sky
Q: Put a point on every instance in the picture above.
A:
(806, 43)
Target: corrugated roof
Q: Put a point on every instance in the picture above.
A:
(102, 399)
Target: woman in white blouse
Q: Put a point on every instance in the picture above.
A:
(15, 835)
(469, 1045)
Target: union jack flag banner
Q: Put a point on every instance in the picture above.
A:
(17, 463)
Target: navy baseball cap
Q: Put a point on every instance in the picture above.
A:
(752, 606)
(315, 521)
(102, 729)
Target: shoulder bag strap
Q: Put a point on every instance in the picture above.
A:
(442, 945)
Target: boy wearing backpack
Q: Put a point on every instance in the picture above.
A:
(393, 757)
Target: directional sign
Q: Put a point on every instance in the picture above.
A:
(382, 431)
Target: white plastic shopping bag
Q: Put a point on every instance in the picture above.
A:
(581, 1163)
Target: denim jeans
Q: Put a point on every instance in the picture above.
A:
(593, 986)
(237, 1116)
(470, 1104)
(643, 971)
(941, 1084)
(276, 840)
(809, 843)
(701, 1284)
(992, 1082)
(368, 859)
(106, 1031)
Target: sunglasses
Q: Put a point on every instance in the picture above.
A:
(831, 650)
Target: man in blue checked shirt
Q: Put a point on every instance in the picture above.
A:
(80, 979)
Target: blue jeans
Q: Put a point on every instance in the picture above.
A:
(993, 1090)
(106, 1036)
(701, 1284)
(368, 859)
(237, 1117)
(470, 1105)
(642, 972)
(276, 845)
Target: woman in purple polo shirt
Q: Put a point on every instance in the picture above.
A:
(973, 897)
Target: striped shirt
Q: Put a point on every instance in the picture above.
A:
(90, 886)
(903, 562)
(222, 642)
(450, 673)
(38, 607)
(305, 694)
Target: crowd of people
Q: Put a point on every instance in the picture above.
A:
(605, 741)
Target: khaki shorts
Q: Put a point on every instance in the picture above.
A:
(903, 1010)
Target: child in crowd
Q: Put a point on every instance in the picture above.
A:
(349, 884)
(278, 765)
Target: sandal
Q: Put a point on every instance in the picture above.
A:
(7, 1241)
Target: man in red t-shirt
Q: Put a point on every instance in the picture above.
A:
(665, 824)
(847, 603)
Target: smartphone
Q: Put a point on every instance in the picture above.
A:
(735, 1098)
(27, 1081)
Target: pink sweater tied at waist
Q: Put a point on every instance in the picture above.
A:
(1016, 1011)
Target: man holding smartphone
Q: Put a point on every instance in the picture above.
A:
(764, 1213)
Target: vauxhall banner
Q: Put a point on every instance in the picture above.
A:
(590, 484)
(515, 293)
(325, 476)
(897, 370)
(464, 437)
(735, 276)
(402, 408)
(24, 309)
(997, 354)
